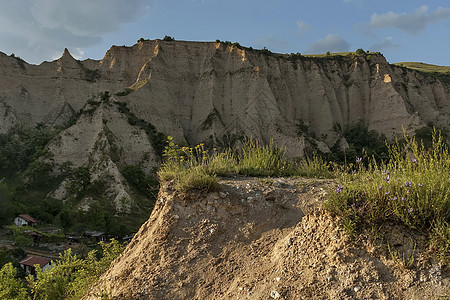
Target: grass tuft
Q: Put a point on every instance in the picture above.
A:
(198, 168)
(412, 189)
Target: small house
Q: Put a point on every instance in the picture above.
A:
(25, 220)
(97, 235)
(29, 262)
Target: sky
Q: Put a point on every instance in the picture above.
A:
(403, 30)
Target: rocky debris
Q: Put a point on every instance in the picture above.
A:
(221, 246)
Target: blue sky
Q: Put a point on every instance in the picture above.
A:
(403, 30)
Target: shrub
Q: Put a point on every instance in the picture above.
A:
(186, 166)
(11, 287)
(360, 51)
(71, 277)
(259, 160)
(168, 38)
(412, 189)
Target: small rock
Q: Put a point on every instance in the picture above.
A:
(280, 183)
(277, 278)
(357, 288)
(289, 242)
(223, 194)
(275, 295)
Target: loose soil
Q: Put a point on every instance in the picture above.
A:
(266, 239)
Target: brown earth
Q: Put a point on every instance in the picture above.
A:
(252, 240)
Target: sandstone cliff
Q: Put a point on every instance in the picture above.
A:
(210, 91)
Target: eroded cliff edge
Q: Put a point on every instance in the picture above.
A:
(252, 240)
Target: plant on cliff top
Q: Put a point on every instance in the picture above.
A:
(412, 189)
(198, 168)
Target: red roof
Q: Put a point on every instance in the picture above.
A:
(27, 218)
(32, 260)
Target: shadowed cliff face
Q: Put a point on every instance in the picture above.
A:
(206, 91)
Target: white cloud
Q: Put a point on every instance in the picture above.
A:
(303, 26)
(332, 43)
(412, 23)
(40, 29)
(386, 43)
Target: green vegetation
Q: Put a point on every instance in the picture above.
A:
(11, 287)
(69, 278)
(23, 239)
(91, 75)
(157, 139)
(423, 67)
(362, 143)
(24, 176)
(20, 146)
(358, 52)
(411, 189)
(168, 38)
(125, 92)
(440, 72)
(198, 168)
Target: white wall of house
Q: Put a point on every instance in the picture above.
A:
(20, 222)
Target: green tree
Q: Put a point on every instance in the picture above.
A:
(6, 208)
(360, 51)
(70, 277)
(11, 287)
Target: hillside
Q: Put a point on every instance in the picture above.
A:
(252, 240)
(110, 117)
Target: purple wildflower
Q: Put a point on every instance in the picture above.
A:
(380, 187)
(419, 184)
(407, 184)
(339, 188)
(413, 160)
(359, 159)
(410, 210)
(387, 178)
(386, 172)
(387, 193)
(402, 199)
(354, 172)
(395, 198)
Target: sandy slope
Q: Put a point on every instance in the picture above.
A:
(252, 240)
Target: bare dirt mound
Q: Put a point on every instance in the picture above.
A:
(252, 240)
